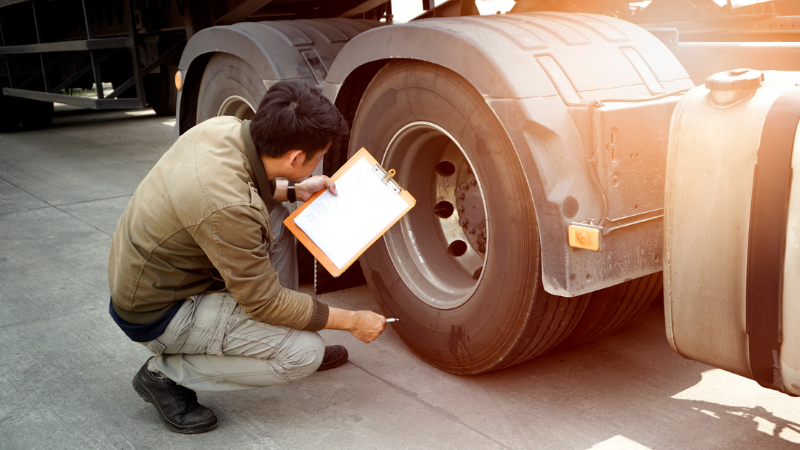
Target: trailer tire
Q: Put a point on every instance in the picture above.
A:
(9, 113)
(614, 307)
(418, 118)
(230, 86)
(21, 113)
(35, 114)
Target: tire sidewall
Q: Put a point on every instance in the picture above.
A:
(225, 76)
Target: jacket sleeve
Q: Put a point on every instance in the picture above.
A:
(235, 240)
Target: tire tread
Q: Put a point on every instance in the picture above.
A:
(614, 307)
(557, 328)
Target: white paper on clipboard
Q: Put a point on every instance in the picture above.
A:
(342, 225)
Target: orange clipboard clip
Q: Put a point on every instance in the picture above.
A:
(387, 177)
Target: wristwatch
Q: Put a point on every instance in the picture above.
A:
(291, 194)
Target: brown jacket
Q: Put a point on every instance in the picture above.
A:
(197, 224)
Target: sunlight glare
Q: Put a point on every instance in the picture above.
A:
(619, 442)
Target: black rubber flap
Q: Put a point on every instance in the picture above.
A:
(767, 245)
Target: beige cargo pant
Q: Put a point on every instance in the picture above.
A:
(213, 345)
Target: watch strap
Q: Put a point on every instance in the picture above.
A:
(291, 193)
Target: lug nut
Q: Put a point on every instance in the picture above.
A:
(460, 195)
(472, 231)
(461, 209)
(463, 221)
(464, 186)
(473, 181)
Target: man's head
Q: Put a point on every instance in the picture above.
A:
(295, 120)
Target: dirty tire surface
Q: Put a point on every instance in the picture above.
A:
(614, 307)
(507, 318)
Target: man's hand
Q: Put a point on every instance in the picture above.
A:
(312, 185)
(365, 325)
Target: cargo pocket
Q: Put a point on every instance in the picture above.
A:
(155, 347)
(176, 333)
(217, 332)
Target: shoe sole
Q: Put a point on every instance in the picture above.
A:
(333, 364)
(147, 398)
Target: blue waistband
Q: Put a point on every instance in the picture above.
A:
(146, 331)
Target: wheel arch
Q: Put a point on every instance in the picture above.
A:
(300, 50)
(505, 58)
(347, 96)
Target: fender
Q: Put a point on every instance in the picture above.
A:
(278, 50)
(538, 72)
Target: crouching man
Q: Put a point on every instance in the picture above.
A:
(201, 276)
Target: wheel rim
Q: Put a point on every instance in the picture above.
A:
(439, 249)
(238, 107)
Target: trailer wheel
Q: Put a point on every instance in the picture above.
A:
(9, 114)
(229, 87)
(462, 269)
(614, 307)
(35, 114)
(21, 113)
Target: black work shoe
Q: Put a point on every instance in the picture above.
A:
(176, 404)
(335, 356)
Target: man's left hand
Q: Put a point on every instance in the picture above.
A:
(312, 185)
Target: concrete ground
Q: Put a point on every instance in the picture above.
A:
(66, 368)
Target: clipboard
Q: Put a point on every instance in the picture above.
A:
(387, 177)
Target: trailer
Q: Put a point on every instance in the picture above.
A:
(536, 142)
(50, 49)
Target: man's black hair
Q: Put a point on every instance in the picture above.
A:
(294, 116)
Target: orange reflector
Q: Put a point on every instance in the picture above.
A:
(178, 80)
(584, 236)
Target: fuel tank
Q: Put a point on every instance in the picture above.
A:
(732, 226)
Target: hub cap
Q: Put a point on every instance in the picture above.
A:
(439, 248)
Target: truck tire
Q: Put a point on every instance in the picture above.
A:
(160, 91)
(614, 307)
(229, 87)
(468, 294)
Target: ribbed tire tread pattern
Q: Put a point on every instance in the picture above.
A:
(559, 316)
(612, 308)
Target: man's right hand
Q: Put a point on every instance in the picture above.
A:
(364, 325)
(367, 325)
